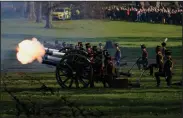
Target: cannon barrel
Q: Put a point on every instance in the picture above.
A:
(54, 52)
(51, 60)
(51, 50)
(52, 57)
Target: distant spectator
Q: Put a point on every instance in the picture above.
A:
(152, 14)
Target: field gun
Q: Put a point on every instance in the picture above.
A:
(71, 67)
(75, 67)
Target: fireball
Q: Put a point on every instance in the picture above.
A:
(29, 51)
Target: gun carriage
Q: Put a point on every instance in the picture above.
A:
(75, 66)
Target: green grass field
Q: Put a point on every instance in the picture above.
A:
(145, 102)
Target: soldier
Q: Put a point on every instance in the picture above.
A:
(159, 61)
(71, 46)
(163, 48)
(109, 67)
(56, 42)
(57, 46)
(90, 55)
(117, 55)
(63, 45)
(98, 59)
(167, 70)
(95, 51)
(80, 46)
(144, 58)
(100, 47)
(89, 51)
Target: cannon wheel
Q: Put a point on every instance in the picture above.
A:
(74, 69)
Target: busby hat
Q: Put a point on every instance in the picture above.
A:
(116, 44)
(87, 45)
(94, 47)
(158, 48)
(163, 44)
(143, 46)
(79, 43)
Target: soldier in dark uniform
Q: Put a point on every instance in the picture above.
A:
(57, 46)
(100, 47)
(108, 69)
(144, 58)
(167, 70)
(63, 45)
(159, 61)
(56, 42)
(97, 65)
(72, 46)
(80, 46)
(163, 48)
(89, 51)
(95, 51)
(91, 58)
(117, 55)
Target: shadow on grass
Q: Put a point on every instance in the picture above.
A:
(98, 90)
(108, 106)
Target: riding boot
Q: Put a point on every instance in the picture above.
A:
(157, 79)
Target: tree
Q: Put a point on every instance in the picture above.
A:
(48, 15)
(32, 15)
(25, 9)
(39, 12)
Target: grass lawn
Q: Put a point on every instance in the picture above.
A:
(145, 102)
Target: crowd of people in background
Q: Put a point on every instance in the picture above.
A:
(150, 14)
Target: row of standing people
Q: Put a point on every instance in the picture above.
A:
(152, 14)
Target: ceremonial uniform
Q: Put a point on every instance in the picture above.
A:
(90, 55)
(90, 52)
(108, 70)
(100, 47)
(57, 46)
(163, 49)
(80, 46)
(63, 45)
(117, 55)
(159, 61)
(144, 60)
(167, 70)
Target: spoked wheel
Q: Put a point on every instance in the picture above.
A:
(74, 70)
